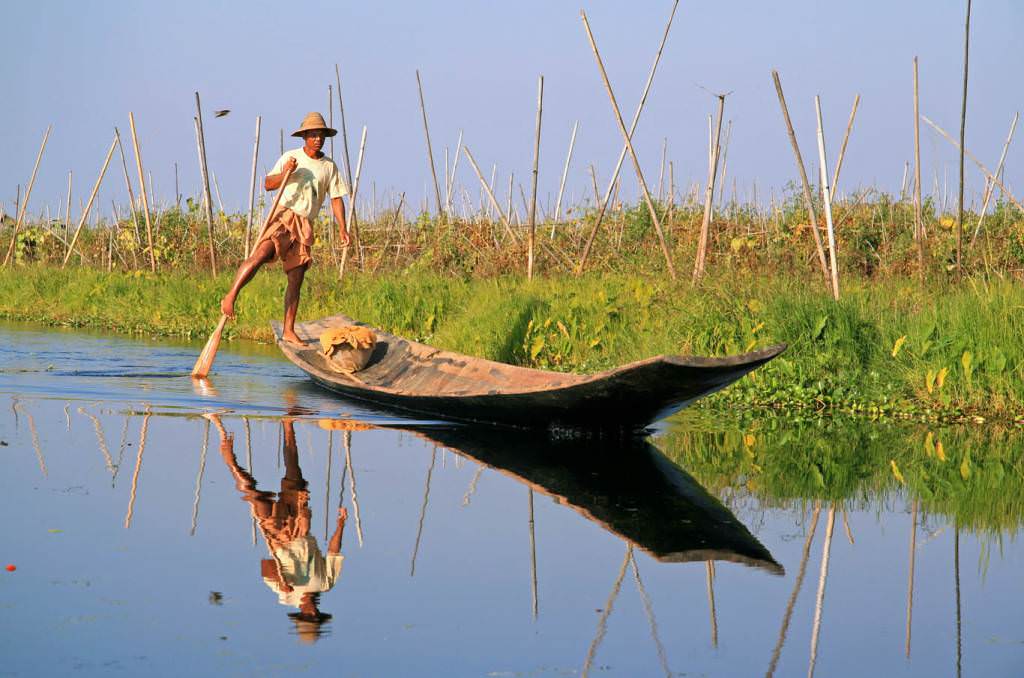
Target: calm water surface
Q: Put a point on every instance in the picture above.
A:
(288, 532)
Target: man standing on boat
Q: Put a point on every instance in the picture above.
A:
(289, 236)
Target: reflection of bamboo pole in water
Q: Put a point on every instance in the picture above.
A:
(423, 512)
(846, 527)
(67, 416)
(796, 591)
(710, 564)
(602, 623)
(819, 603)
(351, 469)
(472, 486)
(956, 576)
(533, 556)
(120, 451)
(138, 467)
(910, 576)
(248, 457)
(649, 610)
(327, 493)
(100, 439)
(35, 440)
(199, 478)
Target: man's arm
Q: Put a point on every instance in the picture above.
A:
(338, 208)
(273, 181)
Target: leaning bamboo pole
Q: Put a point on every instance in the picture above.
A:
(28, 191)
(709, 196)
(450, 180)
(846, 139)
(142, 190)
(963, 124)
(603, 205)
(827, 199)
(808, 200)
(252, 187)
(533, 182)
(88, 205)
(918, 221)
(351, 222)
(344, 129)
(206, 183)
(67, 213)
(490, 195)
(128, 185)
(561, 184)
(430, 150)
(632, 152)
(990, 188)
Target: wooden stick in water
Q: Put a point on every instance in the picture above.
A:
(632, 152)
(88, 206)
(28, 192)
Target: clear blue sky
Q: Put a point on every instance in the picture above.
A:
(82, 66)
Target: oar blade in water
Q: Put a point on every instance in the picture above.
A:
(206, 358)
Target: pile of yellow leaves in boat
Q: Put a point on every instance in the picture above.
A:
(343, 425)
(348, 348)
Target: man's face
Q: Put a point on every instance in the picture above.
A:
(314, 139)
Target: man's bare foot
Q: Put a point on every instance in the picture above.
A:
(292, 339)
(227, 306)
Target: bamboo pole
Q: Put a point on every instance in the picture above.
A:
(252, 187)
(649, 612)
(351, 469)
(423, 513)
(724, 154)
(88, 206)
(990, 188)
(142, 190)
(533, 554)
(128, 185)
(490, 194)
(709, 196)
(984, 170)
(199, 478)
(710, 569)
(632, 152)
(846, 139)
(352, 220)
(808, 200)
(177, 191)
(918, 221)
(138, 468)
(963, 125)
(216, 189)
(533, 182)
(430, 151)
(344, 129)
(28, 192)
(206, 183)
(565, 173)
(606, 612)
(603, 204)
(827, 196)
(450, 181)
(67, 214)
(661, 169)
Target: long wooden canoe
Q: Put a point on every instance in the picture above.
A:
(421, 379)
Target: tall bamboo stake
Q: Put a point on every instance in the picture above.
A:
(827, 195)
(450, 181)
(344, 129)
(206, 184)
(177, 191)
(88, 206)
(28, 192)
(430, 151)
(252, 187)
(352, 221)
(565, 173)
(128, 185)
(846, 139)
(533, 181)
(918, 221)
(724, 154)
(808, 200)
(709, 196)
(67, 214)
(603, 205)
(990, 188)
(963, 124)
(632, 152)
(661, 170)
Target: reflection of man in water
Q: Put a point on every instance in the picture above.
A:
(296, 571)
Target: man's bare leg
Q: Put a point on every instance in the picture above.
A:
(291, 303)
(261, 255)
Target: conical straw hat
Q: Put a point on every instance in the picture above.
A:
(314, 120)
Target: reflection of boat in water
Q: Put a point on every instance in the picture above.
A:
(635, 493)
(418, 378)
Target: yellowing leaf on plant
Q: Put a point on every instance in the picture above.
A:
(561, 328)
(749, 440)
(940, 378)
(898, 345)
(929, 444)
(940, 451)
(594, 343)
(929, 381)
(750, 345)
(965, 362)
(737, 244)
(754, 306)
(896, 472)
(965, 467)
(757, 328)
(536, 346)
(947, 222)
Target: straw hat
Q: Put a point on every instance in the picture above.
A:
(313, 121)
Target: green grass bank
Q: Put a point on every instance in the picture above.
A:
(888, 348)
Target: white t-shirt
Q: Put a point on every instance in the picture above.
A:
(312, 180)
(305, 569)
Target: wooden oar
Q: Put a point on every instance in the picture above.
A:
(206, 358)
